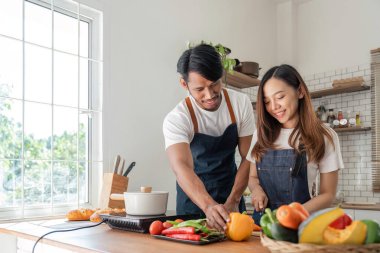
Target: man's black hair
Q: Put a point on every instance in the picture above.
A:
(202, 59)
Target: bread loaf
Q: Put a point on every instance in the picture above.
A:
(95, 217)
(79, 214)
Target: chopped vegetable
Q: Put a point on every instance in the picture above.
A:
(256, 227)
(183, 230)
(186, 237)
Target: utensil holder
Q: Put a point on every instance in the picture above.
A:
(112, 183)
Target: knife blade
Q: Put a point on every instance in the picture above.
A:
(129, 169)
(116, 164)
(121, 167)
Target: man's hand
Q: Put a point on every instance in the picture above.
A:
(259, 198)
(231, 206)
(217, 216)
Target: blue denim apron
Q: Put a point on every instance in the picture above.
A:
(280, 182)
(214, 163)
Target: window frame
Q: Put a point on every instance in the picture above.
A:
(375, 109)
(94, 141)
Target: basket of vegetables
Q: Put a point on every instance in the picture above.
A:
(290, 229)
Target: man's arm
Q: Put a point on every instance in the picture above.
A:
(241, 179)
(181, 162)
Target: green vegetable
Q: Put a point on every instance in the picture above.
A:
(373, 231)
(266, 221)
(199, 225)
(282, 233)
(273, 229)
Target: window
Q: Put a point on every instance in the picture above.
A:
(50, 106)
(375, 109)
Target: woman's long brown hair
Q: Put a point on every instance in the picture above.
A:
(309, 130)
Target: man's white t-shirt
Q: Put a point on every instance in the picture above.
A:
(331, 161)
(178, 127)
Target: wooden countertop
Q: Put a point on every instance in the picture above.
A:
(104, 239)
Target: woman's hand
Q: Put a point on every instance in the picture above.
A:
(259, 198)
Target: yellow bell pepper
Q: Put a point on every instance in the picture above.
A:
(240, 227)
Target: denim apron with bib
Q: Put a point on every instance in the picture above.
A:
(214, 163)
(283, 177)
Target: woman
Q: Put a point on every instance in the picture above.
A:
(290, 146)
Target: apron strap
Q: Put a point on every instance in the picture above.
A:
(232, 115)
(192, 114)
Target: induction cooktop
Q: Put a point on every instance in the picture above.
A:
(141, 224)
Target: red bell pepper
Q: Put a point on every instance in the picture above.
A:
(186, 237)
(183, 230)
(342, 222)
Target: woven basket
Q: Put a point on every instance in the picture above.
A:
(288, 247)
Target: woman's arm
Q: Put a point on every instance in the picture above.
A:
(259, 198)
(327, 192)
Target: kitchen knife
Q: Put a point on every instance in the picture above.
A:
(121, 167)
(129, 169)
(116, 164)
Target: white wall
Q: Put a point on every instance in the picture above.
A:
(142, 43)
(334, 34)
(285, 32)
(143, 40)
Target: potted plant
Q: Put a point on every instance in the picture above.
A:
(228, 63)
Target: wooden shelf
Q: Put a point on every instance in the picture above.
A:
(351, 129)
(334, 91)
(241, 81)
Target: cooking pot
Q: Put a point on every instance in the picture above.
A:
(143, 203)
(249, 68)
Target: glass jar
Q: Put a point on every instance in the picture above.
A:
(351, 119)
(331, 117)
(340, 115)
(357, 118)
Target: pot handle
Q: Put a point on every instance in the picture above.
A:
(117, 196)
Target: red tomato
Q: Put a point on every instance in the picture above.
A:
(178, 220)
(167, 224)
(156, 227)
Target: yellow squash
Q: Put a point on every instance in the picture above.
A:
(352, 234)
(311, 230)
(240, 227)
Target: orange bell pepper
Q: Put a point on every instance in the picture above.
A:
(292, 215)
(299, 207)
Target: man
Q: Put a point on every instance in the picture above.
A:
(201, 136)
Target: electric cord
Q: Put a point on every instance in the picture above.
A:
(63, 230)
